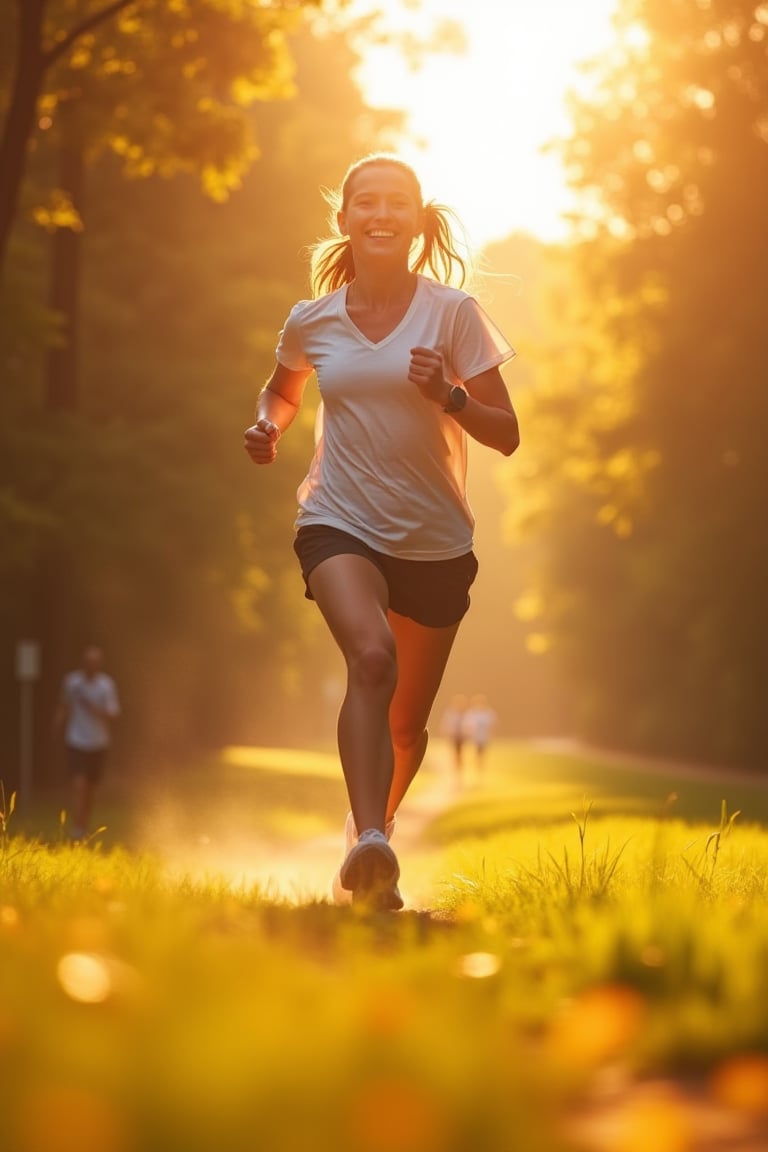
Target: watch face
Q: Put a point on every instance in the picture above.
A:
(457, 398)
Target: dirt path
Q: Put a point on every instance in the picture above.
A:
(303, 870)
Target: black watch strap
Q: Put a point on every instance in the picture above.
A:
(457, 398)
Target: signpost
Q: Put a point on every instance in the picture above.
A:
(27, 671)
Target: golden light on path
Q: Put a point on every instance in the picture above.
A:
(478, 120)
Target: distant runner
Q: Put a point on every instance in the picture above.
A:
(87, 708)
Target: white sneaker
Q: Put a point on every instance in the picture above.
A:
(342, 895)
(371, 871)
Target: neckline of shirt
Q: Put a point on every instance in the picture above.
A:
(347, 319)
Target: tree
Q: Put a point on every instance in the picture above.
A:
(131, 78)
(167, 544)
(655, 575)
(164, 84)
(129, 515)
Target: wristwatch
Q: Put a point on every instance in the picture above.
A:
(457, 398)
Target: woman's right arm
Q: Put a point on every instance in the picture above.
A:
(278, 403)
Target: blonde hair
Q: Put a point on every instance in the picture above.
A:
(332, 261)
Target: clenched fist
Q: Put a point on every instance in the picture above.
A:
(261, 441)
(426, 372)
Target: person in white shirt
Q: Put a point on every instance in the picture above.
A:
(88, 706)
(454, 730)
(407, 367)
(479, 726)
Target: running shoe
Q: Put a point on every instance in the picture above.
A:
(371, 871)
(342, 895)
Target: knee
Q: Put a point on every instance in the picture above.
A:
(374, 666)
(409, 737)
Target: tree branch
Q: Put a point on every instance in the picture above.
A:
(86, 25)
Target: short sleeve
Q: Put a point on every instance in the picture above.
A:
(290, 345)
(68, 688)
(477, 343)
(112, 701)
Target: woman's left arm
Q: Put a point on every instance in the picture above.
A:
(487, 416)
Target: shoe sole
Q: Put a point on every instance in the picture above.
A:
(383, 900)
(372, 878)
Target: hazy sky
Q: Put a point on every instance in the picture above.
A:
(483, 117)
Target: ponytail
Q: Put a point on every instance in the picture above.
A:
(438, 246)
(332, 264)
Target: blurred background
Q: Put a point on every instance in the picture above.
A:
(161, 169)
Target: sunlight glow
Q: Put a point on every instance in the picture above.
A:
(85, 977)
(478, 121)
(304, 763)
(478, 965)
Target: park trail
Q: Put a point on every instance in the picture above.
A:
(298, 871)
(302, 871)
(617, 1108)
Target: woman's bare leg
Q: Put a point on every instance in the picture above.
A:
(351, 593)
(422, 654)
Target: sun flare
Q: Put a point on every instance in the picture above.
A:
(478, 119)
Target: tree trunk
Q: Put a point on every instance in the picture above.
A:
(31, 65)
(64, 294)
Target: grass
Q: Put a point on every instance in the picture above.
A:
(524, 787)
(582, 923)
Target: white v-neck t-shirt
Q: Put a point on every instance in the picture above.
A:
(389, 466)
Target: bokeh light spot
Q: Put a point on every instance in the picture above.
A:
(60, 1118)
(742, 1083)
(658, 1121)
(478, 965)
(85, 977)
(598, 1025)
(9, 917)
(390, 1113)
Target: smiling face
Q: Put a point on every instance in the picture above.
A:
(382, 212)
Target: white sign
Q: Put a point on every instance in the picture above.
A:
(27, 660)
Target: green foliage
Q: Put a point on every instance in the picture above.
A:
(704, 871)
(164, 85)
(647, 467)
(659, 905)
(175, 79)
(594, 875)
(138, 517)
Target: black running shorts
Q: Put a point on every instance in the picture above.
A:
(87, 762)
(431, 592)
